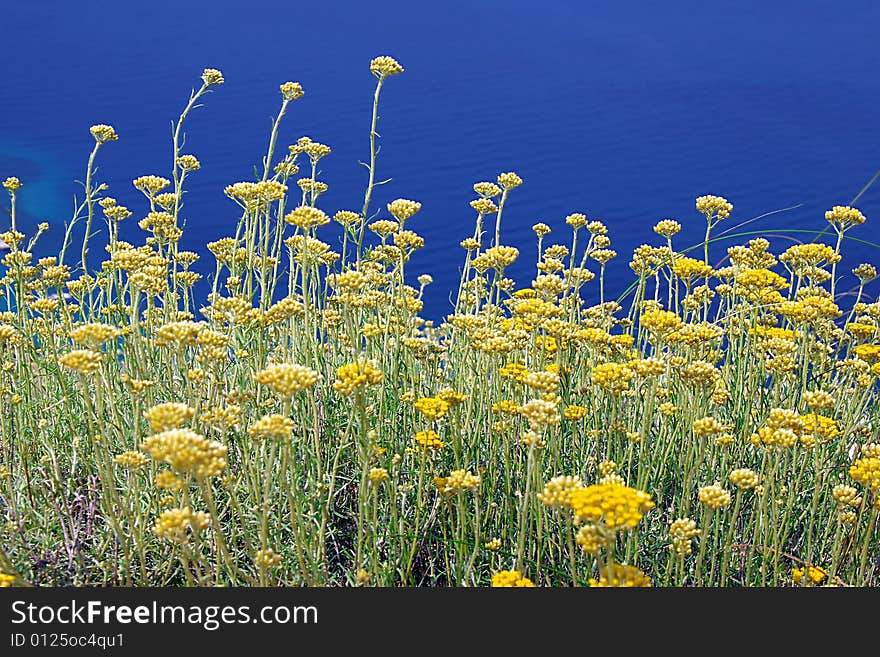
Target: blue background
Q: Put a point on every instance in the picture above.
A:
(625, 111)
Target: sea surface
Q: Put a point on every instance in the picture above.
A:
(625, 111)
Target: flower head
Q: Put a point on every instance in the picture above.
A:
(866, 471)
(103, 133)
(458, 481)
(306, 217)
(429, 440)
(272, 427)
(287, 378)
(212, 77)
(621, 576)
(667, 228)
(384, 66)
(291, 91)
(187, 452)
(84, 361)
(357, 375)
(714, 207)
(431, 407)
(510, 578)
(744, 478)
(509, 180)
(557, 491)
(614, 505)
(177, 524)
(378, 475)
(844, 216)
(814, 575)
(714, 496)
(402, 209)
(168, 415)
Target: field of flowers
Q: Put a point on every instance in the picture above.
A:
(715, 425)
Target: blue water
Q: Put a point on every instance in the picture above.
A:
(625, 111)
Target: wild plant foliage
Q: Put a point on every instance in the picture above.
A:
(303, 425)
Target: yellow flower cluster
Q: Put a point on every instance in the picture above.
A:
(272, 427)
(823, 428)
(810, 308)
(621, 576)
(557, 491)
(484, 206)
(506, 407)
(451, 397)
(574, 412)
(868, 352)
(378, 475)
(402, 209)
(212, 77)
(818, 399)
(94, 335)
(516, 371)
(707, 426)
(511, 578)
(593, 537)
(614, 377)
(307, 217)
(84, 361)
(866, 471)
(291, 91)
(187, 452)
(498, 257)
(744, 478)
(814, 575)
(168, 415)
(252, 196)
(870, 449)
(660, 321)
(266, 559)
(286, 378)
(458, 481)
(136, 386)
(782, 431)
(667, 228)
(714, 206)
(175, 524)
(714, 496)
(150, 185)
(687, 268)
(103, 133)
(646, 367)
(12, 184)
(384, 66)
(131, 460)
(543, 381)
(540, 413)
(429, 439)
(9, 335)
(616, 506)
(432, 408)
(846, 495)
(168, 480)
(844, 216)
(682, 531)
(357, 375)
(509, 180)
(487, 189)
(187, 163)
